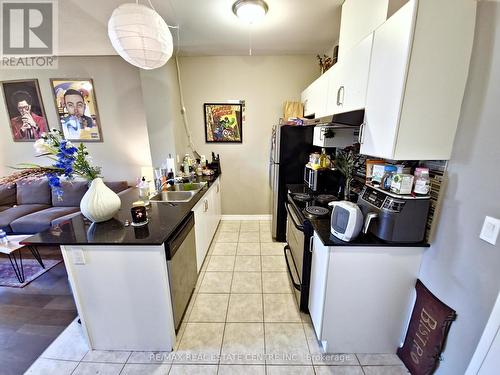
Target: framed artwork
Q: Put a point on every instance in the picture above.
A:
(223, 122)
(27, 119)
(76, 106)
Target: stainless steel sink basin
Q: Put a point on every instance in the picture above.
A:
(182, 192)
(174, 196)
(189, 186)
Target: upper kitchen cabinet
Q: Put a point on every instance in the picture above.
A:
(418, 72)
(348, 79)
(314, 97)
(359, 18)
(341, 88)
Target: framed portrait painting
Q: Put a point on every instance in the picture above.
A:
(223, 122)
(27, 119)
(76, 106)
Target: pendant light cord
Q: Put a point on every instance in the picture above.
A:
(150, 4)
(181, 93)
(179, 82)
(250, 40)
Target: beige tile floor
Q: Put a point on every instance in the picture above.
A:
(242, 319)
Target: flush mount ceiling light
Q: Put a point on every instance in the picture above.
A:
(250, 11)
(140, 36)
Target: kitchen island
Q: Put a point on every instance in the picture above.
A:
(131, 284)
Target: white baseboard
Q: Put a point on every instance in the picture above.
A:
(245, 217)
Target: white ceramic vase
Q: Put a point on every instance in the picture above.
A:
(99, 203)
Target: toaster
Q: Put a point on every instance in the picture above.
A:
(347, 220)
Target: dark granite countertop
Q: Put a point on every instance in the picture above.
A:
(322, 228)
(164, 219)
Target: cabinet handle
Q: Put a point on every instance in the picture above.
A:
(361, 131)
(218, 188)
(206, 205)
(340, 90)
(311, 244)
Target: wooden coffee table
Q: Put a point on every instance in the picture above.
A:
(14, 246)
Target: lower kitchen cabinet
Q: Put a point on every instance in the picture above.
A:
(361, 297)
(207, 214)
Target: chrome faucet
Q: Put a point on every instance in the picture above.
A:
(167, 182)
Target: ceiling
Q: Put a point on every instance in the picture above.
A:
(208, 27)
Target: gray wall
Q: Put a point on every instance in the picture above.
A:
(163, 111)
(459, 268)
(119, 98)
(264, 82)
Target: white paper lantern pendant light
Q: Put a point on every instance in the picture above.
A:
(140, 35)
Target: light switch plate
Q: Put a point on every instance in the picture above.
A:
(490, 230)
(77, 255)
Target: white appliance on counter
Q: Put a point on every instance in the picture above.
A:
(347, 220)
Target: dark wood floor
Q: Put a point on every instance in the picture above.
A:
(33, 316)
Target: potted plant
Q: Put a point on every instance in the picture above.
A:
(346, 161)
(99, 203)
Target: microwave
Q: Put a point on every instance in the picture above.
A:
(322, 180)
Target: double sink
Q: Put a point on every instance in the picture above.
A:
(181, 193)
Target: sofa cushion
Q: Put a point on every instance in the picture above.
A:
(33, 192)
(73, 192)
(62, 219)
(117, 186)
(7, 194)
(13, 213)
(40, 220)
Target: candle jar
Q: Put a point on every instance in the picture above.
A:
(139, 215)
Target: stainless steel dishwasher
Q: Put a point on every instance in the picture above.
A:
(181, 264)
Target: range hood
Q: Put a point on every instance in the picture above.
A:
(345, 120)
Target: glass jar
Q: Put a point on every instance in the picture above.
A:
(389, 172)
(422, 181)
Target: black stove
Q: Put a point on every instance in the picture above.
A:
(315, 212)
(311, 206)
(302, 197)
(304, 207)
(326, 198)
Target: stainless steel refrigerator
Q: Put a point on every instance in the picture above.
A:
(290, 148)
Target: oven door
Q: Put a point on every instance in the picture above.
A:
(294, 250)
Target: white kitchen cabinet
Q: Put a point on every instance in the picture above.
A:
(314, 97)
(418, 71)
(202, 230)
(317, 285)
(217, 203)
(359, 19)
(348, 79)
(207, 214)
(360, 297)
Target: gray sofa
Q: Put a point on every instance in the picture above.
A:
(29, 207)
